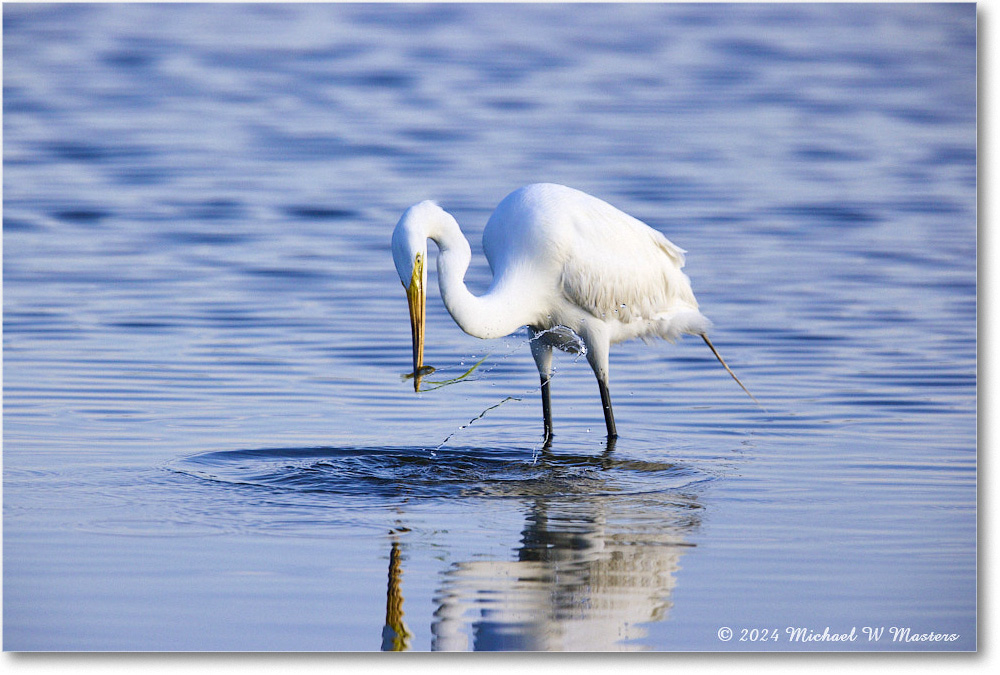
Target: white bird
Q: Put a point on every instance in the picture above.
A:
(566, 264)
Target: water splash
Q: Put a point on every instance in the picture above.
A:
(469, 423)
(562, 337)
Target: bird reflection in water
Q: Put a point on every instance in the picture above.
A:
(591, 570)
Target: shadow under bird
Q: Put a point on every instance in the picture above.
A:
(566, 264)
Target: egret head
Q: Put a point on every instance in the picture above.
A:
(409, 252)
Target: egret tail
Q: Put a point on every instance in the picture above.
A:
(718, 356)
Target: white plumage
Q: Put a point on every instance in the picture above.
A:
(561, 259)
(601, 260)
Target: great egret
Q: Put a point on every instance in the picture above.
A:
(566, 264)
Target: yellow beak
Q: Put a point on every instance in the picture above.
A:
(416, 297)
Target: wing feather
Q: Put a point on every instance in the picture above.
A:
(599, 259)
(619, 267)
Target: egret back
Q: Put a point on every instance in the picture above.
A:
(604, 261)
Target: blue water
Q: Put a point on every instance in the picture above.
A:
(207, 444)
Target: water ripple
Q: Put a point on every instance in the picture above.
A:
(388, 473)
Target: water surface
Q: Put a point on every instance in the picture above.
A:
(207, 443)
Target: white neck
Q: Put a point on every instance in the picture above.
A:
(494, 314)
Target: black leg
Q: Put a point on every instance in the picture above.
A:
(609, 415)
(546, 408)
